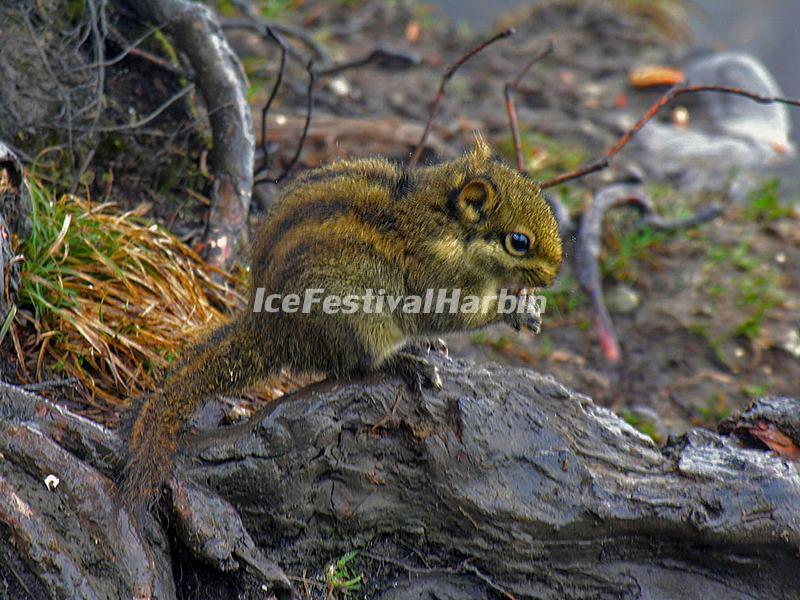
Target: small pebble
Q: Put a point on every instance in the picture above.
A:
(792, 343)
(680, 116)
(340, 87)
(622, 299)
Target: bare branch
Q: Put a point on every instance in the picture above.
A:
(511, 109)
(445, 78)
(400, 60)
(312, 77)
(676, 91)
(587, 251)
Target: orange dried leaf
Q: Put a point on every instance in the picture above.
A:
(776, 440)
(654, 75)
(412, 32)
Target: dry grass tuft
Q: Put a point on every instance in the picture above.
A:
(108, 299)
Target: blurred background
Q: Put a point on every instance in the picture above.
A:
(768, 29)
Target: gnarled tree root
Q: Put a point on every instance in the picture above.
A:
(221, 81)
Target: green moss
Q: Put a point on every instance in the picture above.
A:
(166, 46)
(759, 295)
(755, 391)
(715, 409)
(641, 424)
(714, 343)
(73, 11)
(620, 259)
(499, 343)
(765, 204)
(754, 295)
(742, 256)
(544, 156)
(545, 346)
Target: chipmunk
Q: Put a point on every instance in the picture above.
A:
(473, 224)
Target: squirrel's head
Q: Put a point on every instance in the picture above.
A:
(508, 228)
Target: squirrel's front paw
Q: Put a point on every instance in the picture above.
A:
(416, 371)
(425, 346)
(529, 316)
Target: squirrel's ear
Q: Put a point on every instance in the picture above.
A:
(475, 199)
(480, 152)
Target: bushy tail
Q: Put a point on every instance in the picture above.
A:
(226, 362)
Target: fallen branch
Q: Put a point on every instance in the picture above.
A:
(380, 56)
(588, 246)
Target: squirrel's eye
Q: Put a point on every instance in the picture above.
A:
(517, 244)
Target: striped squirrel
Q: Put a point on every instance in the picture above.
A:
(473, 224)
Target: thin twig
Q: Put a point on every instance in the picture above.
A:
(402, 60)
(50, 383)
(440, 94)
(160, 109)
(252, 12)
(112, 61)
(97, 24)
(61, 91)
(269, 32)
(510, 90)
(676, 91)
(309, 108)
(161, 63)
(260, 28)
(274, 92)
(320, 55)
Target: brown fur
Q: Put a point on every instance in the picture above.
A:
(346, 227)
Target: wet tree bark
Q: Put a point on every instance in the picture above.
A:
(505, 482)
(15, 223)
